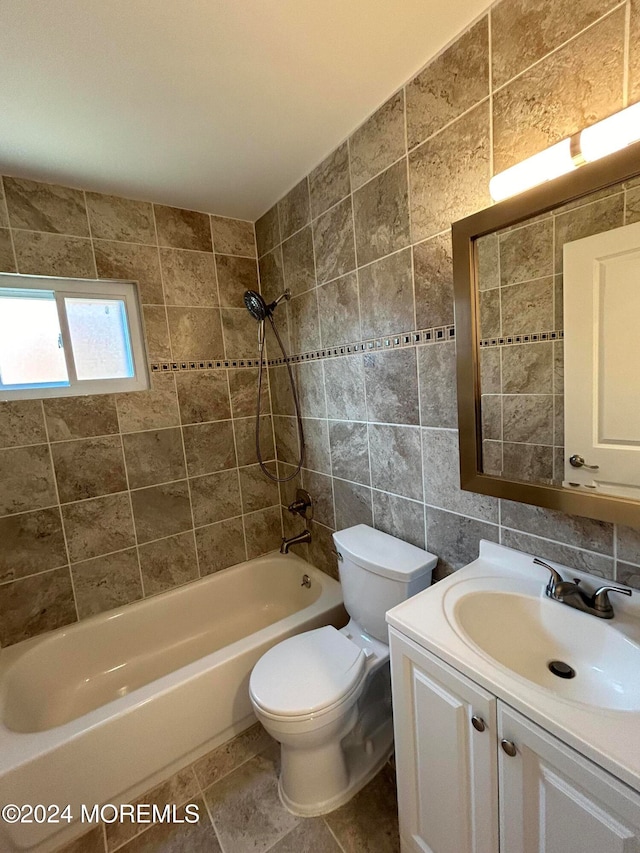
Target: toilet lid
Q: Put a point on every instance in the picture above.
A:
(306, 673)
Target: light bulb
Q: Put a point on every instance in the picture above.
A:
(547, 164)
(611, 134)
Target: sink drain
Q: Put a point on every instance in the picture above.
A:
(561, 669)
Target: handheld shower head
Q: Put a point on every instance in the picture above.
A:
(258, 308)
(255, 305)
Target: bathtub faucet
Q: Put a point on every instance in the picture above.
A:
(305, 536)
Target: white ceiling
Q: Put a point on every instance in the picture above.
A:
(215, 105)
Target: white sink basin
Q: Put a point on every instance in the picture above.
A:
(526, 633)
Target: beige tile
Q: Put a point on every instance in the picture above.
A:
(53, 254)
(106, 582)
(209, 447)
(489, 322)
(451, 84)
(4, 216)
(115, 218)
(379, 142)
(89, 468)
(220, 545)
(161, 510)
(196, 333)
(215, 497)
(322, 552)
(338, 311)
(239, 332)
(183, 229)
(98, 526)
(309, 379)
(154, 408)
(488, 249)
(449, 174)
(527, 307)
(399, 517)
(258, 491)
(298, 262)
(271, 278)
(329, 181)
(235, 275)
(344, 384)
(226, 758)
(627, 575)
(21, 422)
(267, 231)
(46, 207)
(243, 384)
(81, 417)
(155, 456)
(246, 809)
(179, 837)
(571, 89)
(333, 242)
(526, 252)
(177, 790)
(634, 52)
(391, 383)
(245, 433)
(352, 504)
(156, 332)
(293, 209)
(304, 327)
(7, 259)
(189, 277)
(90, 842)
(26, 479)
(386, 296)
(233, 237)
(433, 282)
(381, 214)
(316, 437)
(522, 32)
(369, 822)
(33, 605)
(168, 563)
(203, 396)
(263, 531)
(320, 488)
(602, 215)
(287, 439)
(31, 542)
(133, 263)
(312, 835)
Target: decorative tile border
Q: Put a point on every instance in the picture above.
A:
(435, 335)
(532, 338)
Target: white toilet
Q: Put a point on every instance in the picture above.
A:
(325, 695)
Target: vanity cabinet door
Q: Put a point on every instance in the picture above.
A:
(554, 800)
(445, 730)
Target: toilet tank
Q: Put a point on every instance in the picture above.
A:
(378, 571)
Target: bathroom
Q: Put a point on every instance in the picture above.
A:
(346, 198)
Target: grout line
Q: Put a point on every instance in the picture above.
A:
(60, 516)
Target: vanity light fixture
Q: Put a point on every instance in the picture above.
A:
(603, 138)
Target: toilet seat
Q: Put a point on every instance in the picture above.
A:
(307, 676)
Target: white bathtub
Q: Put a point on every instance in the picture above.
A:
(102, 710)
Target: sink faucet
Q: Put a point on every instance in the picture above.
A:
(571, 594)
(305, 536)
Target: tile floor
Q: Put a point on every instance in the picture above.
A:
(236, 789)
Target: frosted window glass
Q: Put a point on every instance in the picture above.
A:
(31, 351)
(100, 338)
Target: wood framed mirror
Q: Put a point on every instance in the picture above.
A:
(515, 283)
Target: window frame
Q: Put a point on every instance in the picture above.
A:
(63, 287)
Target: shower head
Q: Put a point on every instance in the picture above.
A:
(258, 308)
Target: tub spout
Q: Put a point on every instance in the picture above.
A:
(305, 536)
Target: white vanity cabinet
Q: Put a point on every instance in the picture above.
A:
(476, 776)
(446, 756)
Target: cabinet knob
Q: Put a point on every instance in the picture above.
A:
(478, 723)
(509, 747)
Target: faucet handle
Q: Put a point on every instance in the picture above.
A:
(601, 601)
(555, 578)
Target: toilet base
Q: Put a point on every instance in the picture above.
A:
(362, 759)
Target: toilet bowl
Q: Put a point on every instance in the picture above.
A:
(325, 695)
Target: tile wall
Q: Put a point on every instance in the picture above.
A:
(107, 499)
(363, 242)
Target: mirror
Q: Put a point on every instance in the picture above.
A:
(547, 289)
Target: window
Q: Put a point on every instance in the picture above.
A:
(62, 337)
